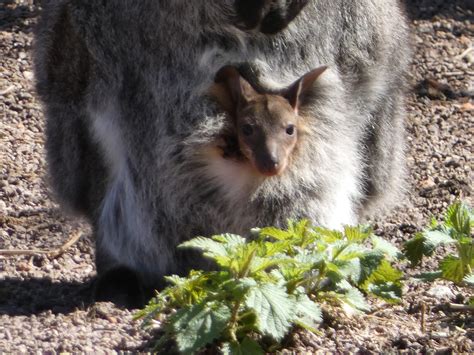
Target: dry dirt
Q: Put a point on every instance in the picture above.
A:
(45, 301)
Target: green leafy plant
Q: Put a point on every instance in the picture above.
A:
(455, 230)
(265, 285)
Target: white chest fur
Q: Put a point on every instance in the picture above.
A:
(236, 178)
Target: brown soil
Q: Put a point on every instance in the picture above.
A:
(45, 301)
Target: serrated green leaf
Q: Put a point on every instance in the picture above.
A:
(458, 216)
(268, 279)
(368, 264)
(276, 233)
(199, 325)
(436, 238)
(384, 282)
(335, 248)
(350, 269)
(353, 299)
(151, 310)
(466, 252)
(357, 234)
(248, 322)
(384, 246)
(298, 229)
(428, 276)
(469, 279)
(309, 257)
(292, 273)
(415, 249)
(308, 312)
(388, 291)
(247, 346)
(210, 248)
(329, 235)
(452, 268)
(222, 248)
(229, 239)
(260, 264)
(433, 223)
(175, 280)
(185, 291)
(466, 240)
(343, 286)
(331, 278)
(242, 259)
(274, 308)
(268, 249)
(385, 272)
(346, 252)
(236, 289)
(333, 267)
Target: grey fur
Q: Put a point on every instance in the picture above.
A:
(130, 130)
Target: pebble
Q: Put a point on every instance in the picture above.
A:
(28, 75)
(439, 151)
(428, 183)
(441, 292)
(3, 207)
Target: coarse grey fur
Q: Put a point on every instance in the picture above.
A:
(130, 129)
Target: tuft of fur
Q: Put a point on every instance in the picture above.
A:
(131, 132)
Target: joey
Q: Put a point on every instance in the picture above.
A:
(266, 126)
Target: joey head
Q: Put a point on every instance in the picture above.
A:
(266, 126)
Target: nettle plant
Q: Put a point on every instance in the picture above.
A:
(455, 230)
(267, 284)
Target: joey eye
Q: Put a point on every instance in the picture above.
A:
(290, 130)
(247, 129)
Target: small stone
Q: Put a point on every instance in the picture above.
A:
(8, 335)
(428, 184)
(402, 343)
(28, 75)
(469, 57)
(24, 96)
(23, 266)
(468, 106)
(439, 335)
(452, 161)
(441, 292)
(9, 190)
(3, 207)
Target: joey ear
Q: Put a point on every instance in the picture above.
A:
(238, 89)
(301, 86)
(219, 93)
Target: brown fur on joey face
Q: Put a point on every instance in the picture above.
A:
(265, 123)
(267, 133)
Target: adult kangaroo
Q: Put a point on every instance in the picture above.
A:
(131, 129)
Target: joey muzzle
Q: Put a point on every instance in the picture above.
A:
(269, 162)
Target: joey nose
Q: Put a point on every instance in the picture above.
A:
(269, 165)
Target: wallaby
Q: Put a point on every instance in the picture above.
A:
(265, 126)
(131, 131)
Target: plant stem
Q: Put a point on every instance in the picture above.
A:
(244, 272)
(319, 278)
(233, 321)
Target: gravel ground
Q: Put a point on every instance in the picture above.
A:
(45, 302)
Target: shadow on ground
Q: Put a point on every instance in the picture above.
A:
(427, 9)
(13, 17)
(35, 295)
